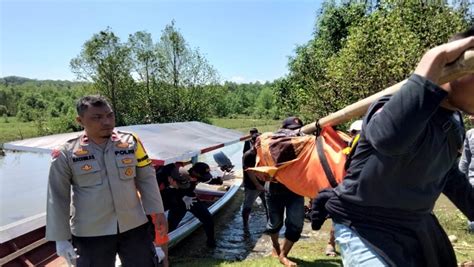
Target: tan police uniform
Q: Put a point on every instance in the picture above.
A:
(107, 189)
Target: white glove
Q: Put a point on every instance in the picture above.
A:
(189, 201)
(160, 253)
(66, 250)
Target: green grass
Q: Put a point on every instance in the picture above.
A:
(244, 124)
(12, 129)
(455, 223)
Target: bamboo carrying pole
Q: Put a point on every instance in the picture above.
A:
(462, 66)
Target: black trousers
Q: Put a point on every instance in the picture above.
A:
(198, 209)
(134, 247)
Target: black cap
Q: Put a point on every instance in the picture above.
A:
(202, 171)
(253, 131)
(181, 177)
(292, 123)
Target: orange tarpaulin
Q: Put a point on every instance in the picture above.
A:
(295, 162)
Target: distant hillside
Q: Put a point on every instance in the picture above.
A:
(16, 80)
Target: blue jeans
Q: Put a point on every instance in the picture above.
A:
(280, 200)
(354, 251)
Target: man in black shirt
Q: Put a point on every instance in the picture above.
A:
(405, 158)
(253, 187)
(179, 197)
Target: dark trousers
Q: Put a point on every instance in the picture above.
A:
(134, 247)
(177, 212)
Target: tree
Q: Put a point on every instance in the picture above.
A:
(146, 65)
(106, 61)
(186, 75)
(359, 49)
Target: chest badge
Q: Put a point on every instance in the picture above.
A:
(122, 145)
(129, 171)
(81, 152)
(86, 167)
(127, 161)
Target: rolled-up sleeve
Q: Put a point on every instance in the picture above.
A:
(58, 198)
(146, 181)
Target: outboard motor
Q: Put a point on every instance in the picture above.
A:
(223, 162)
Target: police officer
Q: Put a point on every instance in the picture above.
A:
(104, 215)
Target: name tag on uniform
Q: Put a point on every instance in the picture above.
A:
(77, 159)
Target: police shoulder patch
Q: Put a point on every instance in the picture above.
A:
(55, 153)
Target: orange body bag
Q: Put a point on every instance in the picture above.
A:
(305, 164)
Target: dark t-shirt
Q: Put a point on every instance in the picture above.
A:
(249, 159)
(405, 158)
(407, 149)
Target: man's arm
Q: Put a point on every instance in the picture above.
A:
(147, 186)
(432, 63)
(58, 198)
(399, 126)
(146, 181)
(460, 192)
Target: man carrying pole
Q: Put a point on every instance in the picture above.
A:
(405, 158)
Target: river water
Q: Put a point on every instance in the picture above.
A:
(233, 242)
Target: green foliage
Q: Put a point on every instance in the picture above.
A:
(359, 49)
(3, 110)
(107, 62)
(13, 129)
(40, 102)
(149, 82)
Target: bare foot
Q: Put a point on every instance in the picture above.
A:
(330, 251)
(285, 261)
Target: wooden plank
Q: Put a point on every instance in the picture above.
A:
(22, 251)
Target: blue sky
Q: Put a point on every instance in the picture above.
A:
(244, 40)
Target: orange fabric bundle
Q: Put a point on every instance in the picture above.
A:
(297, 162)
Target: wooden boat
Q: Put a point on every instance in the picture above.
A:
(22, 242)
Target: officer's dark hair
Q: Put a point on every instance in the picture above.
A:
(90, 100)
(464, 34)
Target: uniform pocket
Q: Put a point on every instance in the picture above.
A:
(127, 167)
(86, 173)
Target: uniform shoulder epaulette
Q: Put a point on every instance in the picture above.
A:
(126, 136)
(72, 140)
(124, 132)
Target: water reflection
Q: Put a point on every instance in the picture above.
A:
(23, 179)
